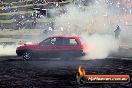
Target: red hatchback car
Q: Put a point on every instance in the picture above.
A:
(52, 47)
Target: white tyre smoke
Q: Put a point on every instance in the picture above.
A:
(7, 50)
(100, 46)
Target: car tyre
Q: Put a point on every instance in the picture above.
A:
(27, 55)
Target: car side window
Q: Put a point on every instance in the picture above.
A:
(73, 42)
(59, 41)
(48, 42)
(52, 41)
(69, 41)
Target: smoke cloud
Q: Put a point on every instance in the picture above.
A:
(90, 24)
(88, 21)
(7, 50)
(99, 46)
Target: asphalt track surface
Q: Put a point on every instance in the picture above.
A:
(54, 73)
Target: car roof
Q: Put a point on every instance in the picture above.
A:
(63, 37)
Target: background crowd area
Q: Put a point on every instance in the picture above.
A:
(25, 14)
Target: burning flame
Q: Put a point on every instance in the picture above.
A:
(81, 71)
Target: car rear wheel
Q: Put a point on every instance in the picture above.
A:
(27, 55)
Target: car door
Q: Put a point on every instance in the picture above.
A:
(70, 46)
(58, 46)
(46, 48)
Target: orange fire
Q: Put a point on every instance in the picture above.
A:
(81, 71)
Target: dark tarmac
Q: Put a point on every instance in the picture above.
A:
(45, 73)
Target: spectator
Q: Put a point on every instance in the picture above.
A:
(45, 1)
(45, 31)
(2, 27)
(34, 17)
(117, 32)
(1, 1)
(34, 23)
